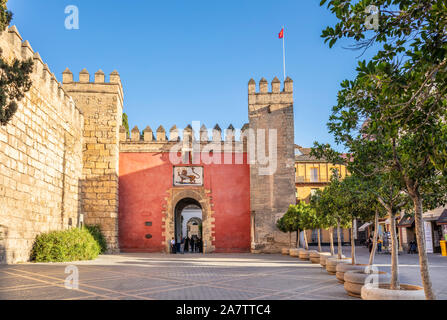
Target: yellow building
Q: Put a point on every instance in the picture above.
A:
(312, 174)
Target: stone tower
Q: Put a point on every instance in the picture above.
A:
(271, 193)
(102, 105)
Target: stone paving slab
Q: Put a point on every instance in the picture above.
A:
(199, 277)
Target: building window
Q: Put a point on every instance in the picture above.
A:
(314, 175)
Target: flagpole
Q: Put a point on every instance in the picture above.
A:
(284, 51)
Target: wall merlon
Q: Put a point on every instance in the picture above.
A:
(67, 76)
(148, 134)
(14, 37)
(161, 134)
(100, 77)
(174, 133)
(84, 76)
(115, 77)
(123, 134)
(135, 134)
(204, 133)
(217, 133)
(27, 51)
(230, 133)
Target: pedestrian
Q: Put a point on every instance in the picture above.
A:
(370, 243)
(413, 247)
(182, 246)
(379, 245)
(172, 245)
(187, 244)
(193, 245)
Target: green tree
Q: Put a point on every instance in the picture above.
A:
(126, 123)
(318, 223)
(401, 95)
(289, 222)
(14, 75)
(307, 219)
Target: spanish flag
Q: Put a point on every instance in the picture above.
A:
(281, 34)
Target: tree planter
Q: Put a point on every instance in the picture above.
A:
(383, 292)
(293, 252)
(355, 280)
(331, 264)
(304, 255)
(285, 251)
(344, 267)
(314, 256)
(324, 257)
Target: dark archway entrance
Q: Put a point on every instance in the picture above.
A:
(188, 219)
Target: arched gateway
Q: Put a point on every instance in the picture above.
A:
(179, 200)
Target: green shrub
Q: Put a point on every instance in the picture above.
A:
(95, 231)
(63, 246)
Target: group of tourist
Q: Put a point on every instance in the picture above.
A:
(383, 241)
(192, 244)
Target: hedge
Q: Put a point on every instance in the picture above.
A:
(63, 246)
(95, 231)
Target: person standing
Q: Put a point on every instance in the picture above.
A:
(193, 244)
(172, 245)
(182, 246)
(187, 244)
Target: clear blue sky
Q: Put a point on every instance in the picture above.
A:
(184, 61)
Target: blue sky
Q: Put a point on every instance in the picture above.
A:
(184, 61)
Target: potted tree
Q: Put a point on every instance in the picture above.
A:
(358, 203)
(286, 224)
(328, 221)
(317, 224)
(336, 212)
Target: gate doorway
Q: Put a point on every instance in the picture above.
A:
(188, 226)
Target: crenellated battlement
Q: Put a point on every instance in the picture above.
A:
(274, 98)
(99, 84)
(148, 141)
(45, 84)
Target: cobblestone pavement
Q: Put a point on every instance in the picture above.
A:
(197, 276)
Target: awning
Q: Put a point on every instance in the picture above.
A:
(364, 226)
(406, 222)
(443, 218)
(433, 215)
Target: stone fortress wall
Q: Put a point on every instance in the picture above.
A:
(40, 158)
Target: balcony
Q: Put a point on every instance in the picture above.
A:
(301, 179)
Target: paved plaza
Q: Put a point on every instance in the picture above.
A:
(198, 276)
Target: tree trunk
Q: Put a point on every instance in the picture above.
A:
(352, 243)
(420, 238)
(376, 234)
(394, 255)
(296, 240)
(306, 245)
(290, 239)
(319, 240)
(331, 240)
(340, 250)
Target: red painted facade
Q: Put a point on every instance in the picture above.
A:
(144, 181)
